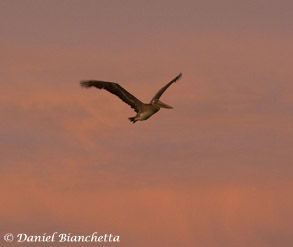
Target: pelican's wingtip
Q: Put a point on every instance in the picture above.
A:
(178, 77)
(85, 84)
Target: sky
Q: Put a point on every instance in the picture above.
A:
(214, 171)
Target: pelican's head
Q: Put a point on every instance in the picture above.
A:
(160, 104)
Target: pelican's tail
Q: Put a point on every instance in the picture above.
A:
(132, 119)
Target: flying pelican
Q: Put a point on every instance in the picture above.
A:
(144, 111)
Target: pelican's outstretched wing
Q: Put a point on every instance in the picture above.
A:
(116, 89)
(163, 89)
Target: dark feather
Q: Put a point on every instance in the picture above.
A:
(116, 89)
(163, 89)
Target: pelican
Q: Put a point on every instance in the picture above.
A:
(144, 111)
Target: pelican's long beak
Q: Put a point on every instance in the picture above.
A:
(163, 105)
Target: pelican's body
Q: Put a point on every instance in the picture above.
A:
(144, 111)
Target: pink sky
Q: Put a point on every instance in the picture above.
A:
(214, 171)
